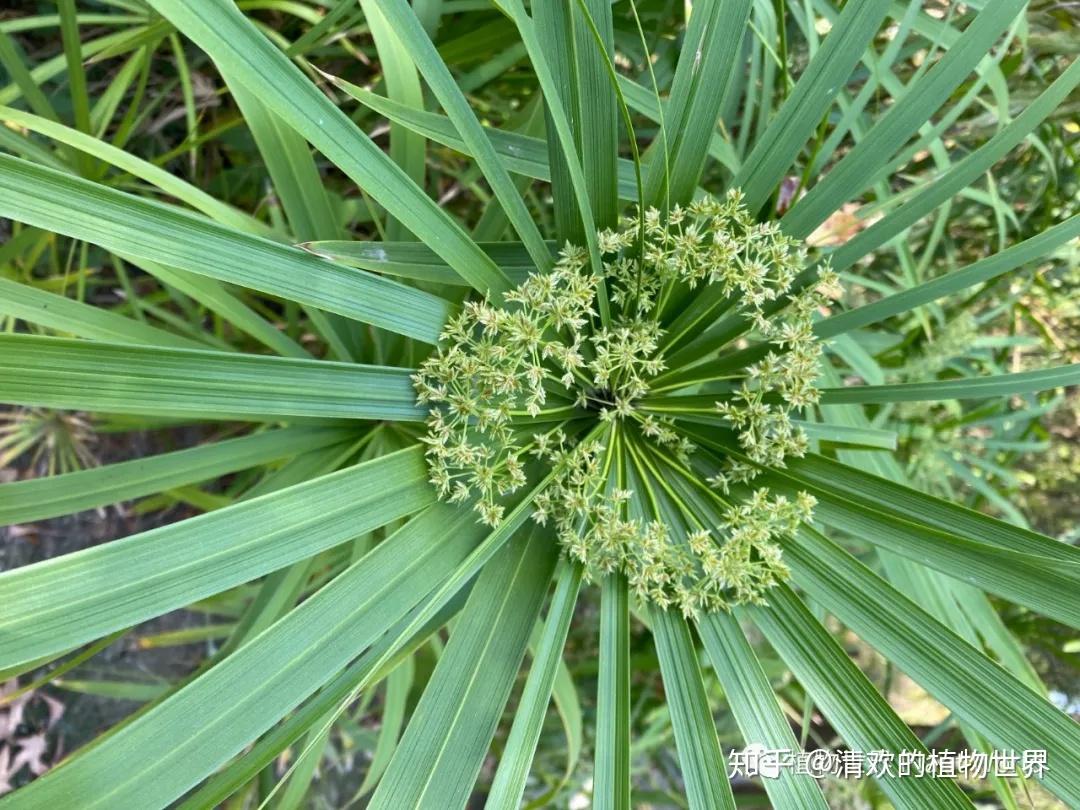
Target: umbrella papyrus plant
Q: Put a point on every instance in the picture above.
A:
(654, 396)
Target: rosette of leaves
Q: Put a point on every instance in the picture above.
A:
(335, 566)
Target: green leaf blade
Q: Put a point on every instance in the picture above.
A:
(118, 584)
(144, 229)
(118, 378)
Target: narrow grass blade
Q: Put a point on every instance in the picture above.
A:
(291, 166)
(166, 751)
(751, 699)
(121, 583)
(23, 82)
(809, 101)
(480, 556)
(555, 34)
(876, 493)
(703, 768)
(216, 297)
(597, 116)
(962, 174)
(407, 149)
(59, 313)
(707, 61)
(611, 780)
(220, 29)
(1000, 385)
(961, 677)
(508, 785)
(417, 261)
(44, 498)
(300, 189)
(642, 100)
(980, 272)
(826, 432)
(144, 170)
(521, 154)
(130, 225)
(114, 689)
(364, 672)
(848, 436)
(302, 770)
(116, 42)
(963, 607)
(560, 119)
(853, 705)
(912, 110)
(448, 735)
(392, 720)
(422, 51)
(1047, 585)
(117, 378)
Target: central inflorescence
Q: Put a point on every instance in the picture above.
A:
(553, 383)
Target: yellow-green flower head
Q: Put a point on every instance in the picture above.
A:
(539, 379)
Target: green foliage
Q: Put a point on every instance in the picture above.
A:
(751, 319)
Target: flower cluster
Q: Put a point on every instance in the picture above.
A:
(545, 358)
(951, 342)
(735, 563)
(497, 363)
(782, 382)
(750, 560)
(957, 337)
(703, 571)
